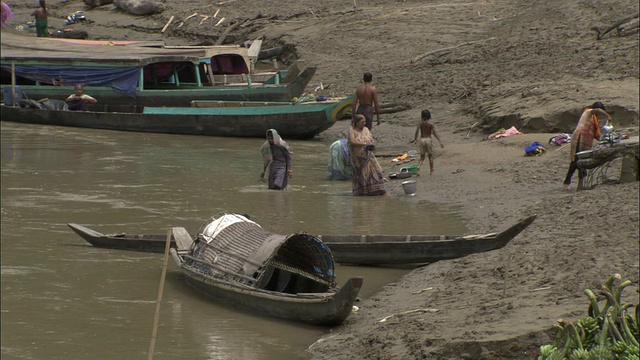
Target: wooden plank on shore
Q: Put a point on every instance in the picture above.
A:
(167, 24)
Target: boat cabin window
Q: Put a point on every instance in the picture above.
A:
(164, 74)
(226, 64)
(204, 71)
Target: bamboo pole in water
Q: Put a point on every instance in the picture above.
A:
(156, 319)
(13, 83)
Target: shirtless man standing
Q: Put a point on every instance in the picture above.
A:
(425, 146)
(366, 101)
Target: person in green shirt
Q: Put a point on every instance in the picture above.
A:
(41, 14)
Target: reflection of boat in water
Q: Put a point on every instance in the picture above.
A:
(350, 249)
(236, 261)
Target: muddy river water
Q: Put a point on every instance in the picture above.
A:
(63, 299)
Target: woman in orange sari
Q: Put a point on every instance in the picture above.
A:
(368, 178)
(582, 138)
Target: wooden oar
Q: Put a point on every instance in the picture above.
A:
(156, 320)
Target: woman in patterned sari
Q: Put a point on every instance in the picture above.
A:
(278, 157)
(339, 166)
(368, 178)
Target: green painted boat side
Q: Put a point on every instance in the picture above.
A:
(182, 95)
(19, 50)
(244, 110)
(291, 121)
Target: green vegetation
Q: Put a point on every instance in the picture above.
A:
(609, 331)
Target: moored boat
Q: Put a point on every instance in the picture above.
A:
(235, 261)
(351, 249)
(139, 75)
(416, 249)
(236, 119)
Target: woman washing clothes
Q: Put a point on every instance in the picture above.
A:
(368, 178)
(587, 130)
(278, 157)
(339, 167)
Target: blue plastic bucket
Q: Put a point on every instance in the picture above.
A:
(8, 95)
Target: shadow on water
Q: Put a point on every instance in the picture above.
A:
(63, 299)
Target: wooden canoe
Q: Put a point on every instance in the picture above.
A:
(237, 262)
(415, 249)
(348, 249)
(122, 241)
(293, 121)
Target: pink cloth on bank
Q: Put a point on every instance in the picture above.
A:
(510, 131)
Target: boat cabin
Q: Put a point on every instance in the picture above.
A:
(236, 249)
(127, 67)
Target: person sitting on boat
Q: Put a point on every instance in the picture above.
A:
(79, 100)
(278, 157)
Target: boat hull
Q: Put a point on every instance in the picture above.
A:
(326, 309)
(347, 249)
(142, 243)
(403, 250)
(291, 121)
(180, 96)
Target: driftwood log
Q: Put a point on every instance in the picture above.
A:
(594, 169)
(225, 2)
(393, 108)
(616, 25)
(276, 52)
(389, 108)
(226, 32)
(74, 34)
(629, 30)
(604, 155)
(96, 3)
(447, 49)
(140, 7)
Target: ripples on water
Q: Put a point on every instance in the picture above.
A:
(63, 299)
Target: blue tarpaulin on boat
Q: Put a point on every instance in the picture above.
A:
(123, 80)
